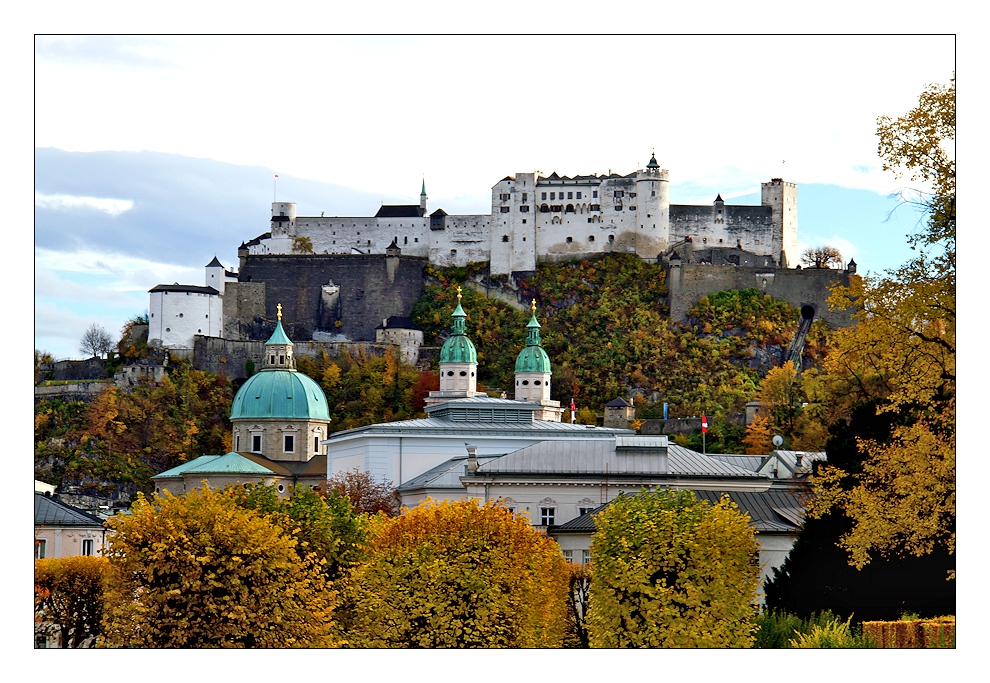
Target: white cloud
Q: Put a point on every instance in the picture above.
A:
(65, 202)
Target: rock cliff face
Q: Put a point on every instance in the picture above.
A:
(329, 295)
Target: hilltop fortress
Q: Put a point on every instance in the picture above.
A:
(538, 218)
(342, 280)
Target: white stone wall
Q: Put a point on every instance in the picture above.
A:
(174, 318)
(532, 386)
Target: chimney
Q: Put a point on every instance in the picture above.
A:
(799, 457)
(472, 463)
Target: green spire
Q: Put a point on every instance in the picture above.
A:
(533, 329)
(279, 336)
(423, 191)
(458, 348)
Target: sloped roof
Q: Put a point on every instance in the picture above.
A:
(51, 512)
(179, 469)
(446, 475)
(789, 460)
(768, 511)
(435, 425)
(184, 288)
(232, 463)
(215, 263)
(617, 403)
(398, 322)
(399, 211)
(747, 462)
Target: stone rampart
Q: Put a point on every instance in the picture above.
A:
(230, 357)
(371, 288)
(687, 283)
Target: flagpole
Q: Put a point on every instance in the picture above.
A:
(275, 189)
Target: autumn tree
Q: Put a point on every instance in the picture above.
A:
(302, 245)
(69, 598)
(326, 526)
(821, 257)
(200, 570)
(669, 570)
(96, 341)
(900, 357)
(458, 574)
(364, 493)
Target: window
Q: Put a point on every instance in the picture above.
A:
(237, 442)
(525, 195)
(547, 516)
(39, 548)
(568, 555)
(570, 239)
(618, 207)
(87, 546)
(619, 193)
(579, 195)
(524, 208)
(453, 252)
(632, 194)
(591, 238)
(570, 195)
(504, 196)
(524, 223)
(632, 208)
(405, 240)
(594, 194)
(585, 556)
(290, 443)
(503, 209)
(256, 443)
(180, 315)
(316, 443)
(505, 238)
(168, 329)
(543, 195)
(553, 195)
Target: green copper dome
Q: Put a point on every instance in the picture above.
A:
(533, 358)
(280, 394)
(458, 348)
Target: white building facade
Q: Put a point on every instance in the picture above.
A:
(177, 313)
(551, 218)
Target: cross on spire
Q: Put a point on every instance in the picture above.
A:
(279, 311)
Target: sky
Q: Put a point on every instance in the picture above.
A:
(155, 153)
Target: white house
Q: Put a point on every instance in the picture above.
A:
(177, 313)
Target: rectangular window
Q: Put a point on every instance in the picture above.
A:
(570, 195)
(568, 555)
(316, 444)
(585, 556)
(579, 195)
(618, 207)
(504, 209)
(547, 516)
(594, 194)
(632, 194)
(619, 193)
(525, 196)
(584, 511)
(39, 548)
(237, 442)
(553, 195)
(256, 443)
(290, 443)
(543, 195)
(524, 208)
(87, 546)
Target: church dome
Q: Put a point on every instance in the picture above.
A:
(278, 390)
(458, 348)
(533, 358)
(280, 394)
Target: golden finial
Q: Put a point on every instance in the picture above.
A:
(534, 306)
(280, 311)
(458, 292)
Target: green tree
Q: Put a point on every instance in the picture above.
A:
(458, 574)
(669, 570)
(200, 570)
(69, 598)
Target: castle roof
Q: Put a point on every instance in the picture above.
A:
(399, 211)
(439, 212)
(617, 403)
(215, 263)
(183, 288)
(394, 322)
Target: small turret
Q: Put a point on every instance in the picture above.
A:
(422, 199)
(533, 373)
(278, 349)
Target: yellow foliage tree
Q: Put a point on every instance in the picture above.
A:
(458, 574)
(69, 598)
(201, 571)
(669, 570)
(901, 356)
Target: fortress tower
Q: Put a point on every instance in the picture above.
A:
(781, 197)
(652, 210)
(283, 227)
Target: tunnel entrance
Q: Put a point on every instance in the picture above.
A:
(807, 312)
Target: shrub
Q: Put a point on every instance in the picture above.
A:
(69, 598)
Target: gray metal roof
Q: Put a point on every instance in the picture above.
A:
(599, 456)
(476, 401)
(51, 512)
(769, 511)
(446, 475)
(747, 462)
(789, 460)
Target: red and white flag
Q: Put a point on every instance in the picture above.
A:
(704, 423)
(276, 175)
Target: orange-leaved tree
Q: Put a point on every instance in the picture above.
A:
(458, 574)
